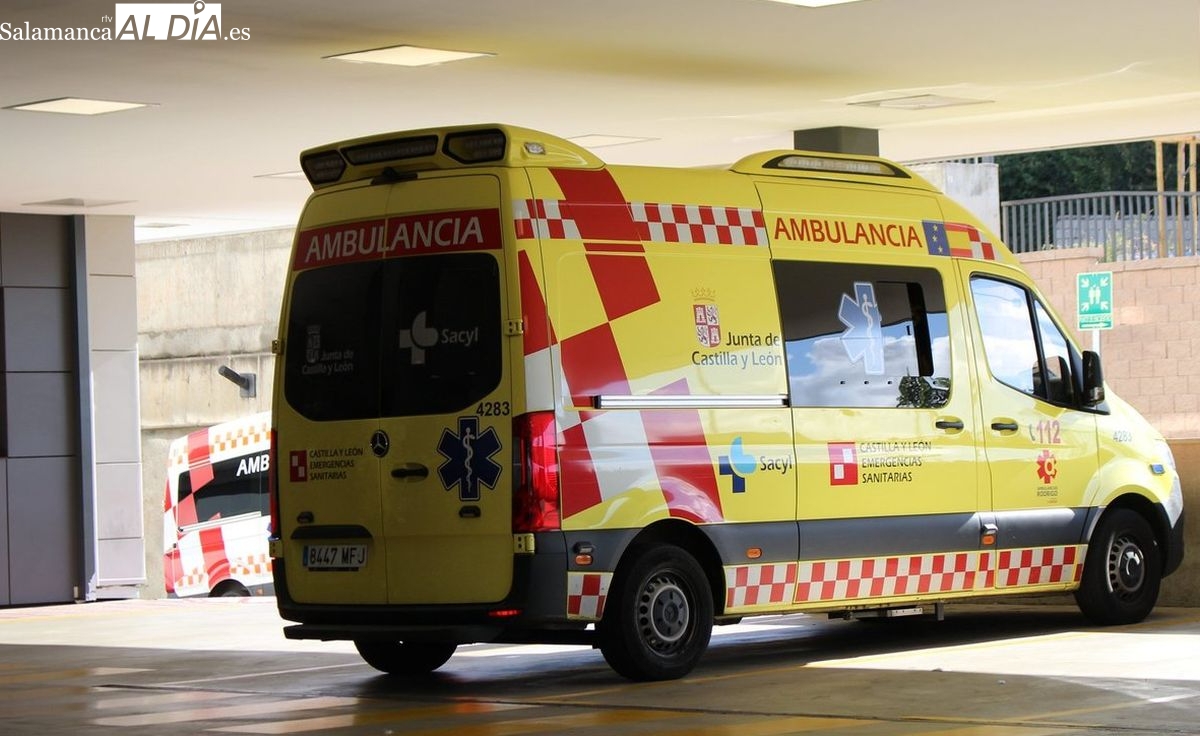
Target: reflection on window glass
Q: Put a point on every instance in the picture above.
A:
(864, 336)
(1058, 386)
(1011, 342)
(1008, 341)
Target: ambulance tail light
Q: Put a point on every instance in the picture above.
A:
(273, 488)
(535, 473)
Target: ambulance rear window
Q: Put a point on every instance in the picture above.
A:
(864, 335)
(396, 337)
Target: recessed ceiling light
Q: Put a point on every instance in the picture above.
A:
(600, 141)
(405, 55)
(77, 106)
(159, 225)
(77, 202)
(919, 102)
(814, 3)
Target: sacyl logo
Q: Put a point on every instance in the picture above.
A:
(419, 339)
(422, 337)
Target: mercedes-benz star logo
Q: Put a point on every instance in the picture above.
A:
(380, 443)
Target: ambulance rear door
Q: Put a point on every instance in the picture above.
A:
(394, 437)
(328, 477)
(445, 398)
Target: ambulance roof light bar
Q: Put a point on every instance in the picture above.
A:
(406, 153)
(465, 147)
(810, 162)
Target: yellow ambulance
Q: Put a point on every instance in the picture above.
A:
(524, 396)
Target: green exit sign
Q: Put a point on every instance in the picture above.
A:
(1094, 302)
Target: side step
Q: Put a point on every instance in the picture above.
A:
(939, 610)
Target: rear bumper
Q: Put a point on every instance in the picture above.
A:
(533, 610)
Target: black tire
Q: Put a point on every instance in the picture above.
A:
(405, 658)
(1122, 570)
(230, 589)
(658, 617)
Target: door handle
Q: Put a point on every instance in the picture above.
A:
(410, 470)
(1005, 426)
(955, 424)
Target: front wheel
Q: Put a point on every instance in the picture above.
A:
(659, 616)
(1122, 571)
(404, 657)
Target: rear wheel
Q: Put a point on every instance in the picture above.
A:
(658, 617)
(230, 589)
(405, 658)
(1122, 571)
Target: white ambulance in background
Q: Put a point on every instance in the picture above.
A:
(216, 518)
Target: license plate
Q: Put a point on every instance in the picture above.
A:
(335, 556)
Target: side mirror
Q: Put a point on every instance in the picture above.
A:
(1093, 379)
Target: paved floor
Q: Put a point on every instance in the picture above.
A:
(222, 666)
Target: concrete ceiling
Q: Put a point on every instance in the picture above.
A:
(706, 80)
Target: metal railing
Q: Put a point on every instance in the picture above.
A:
(1129, 226)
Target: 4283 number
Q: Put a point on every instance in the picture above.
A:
(493, 409)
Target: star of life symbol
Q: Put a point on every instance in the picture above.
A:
(419, 339)
(863, 337)
(1047, 467)
(708, 324)
(469, 458)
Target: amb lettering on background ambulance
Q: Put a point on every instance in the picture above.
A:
(525, 396)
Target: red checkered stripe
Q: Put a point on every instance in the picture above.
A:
(239, 437)
(1040, 566)
(691, 223)
(586, 592)
(250, 565)
(654, 222)
(543, 219)
(751, 586)
(884, 577)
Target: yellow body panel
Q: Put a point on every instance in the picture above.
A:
(769, 352)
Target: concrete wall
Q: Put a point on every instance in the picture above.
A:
(1150, 355)
(1151, 359)
(202, 304)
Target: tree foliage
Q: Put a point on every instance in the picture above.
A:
(1109, 168)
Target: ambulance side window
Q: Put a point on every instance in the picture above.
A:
(864, 336)
(1025, 350)
(238, 486)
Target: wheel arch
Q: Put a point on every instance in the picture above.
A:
(1153, 513)
(690, 539)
